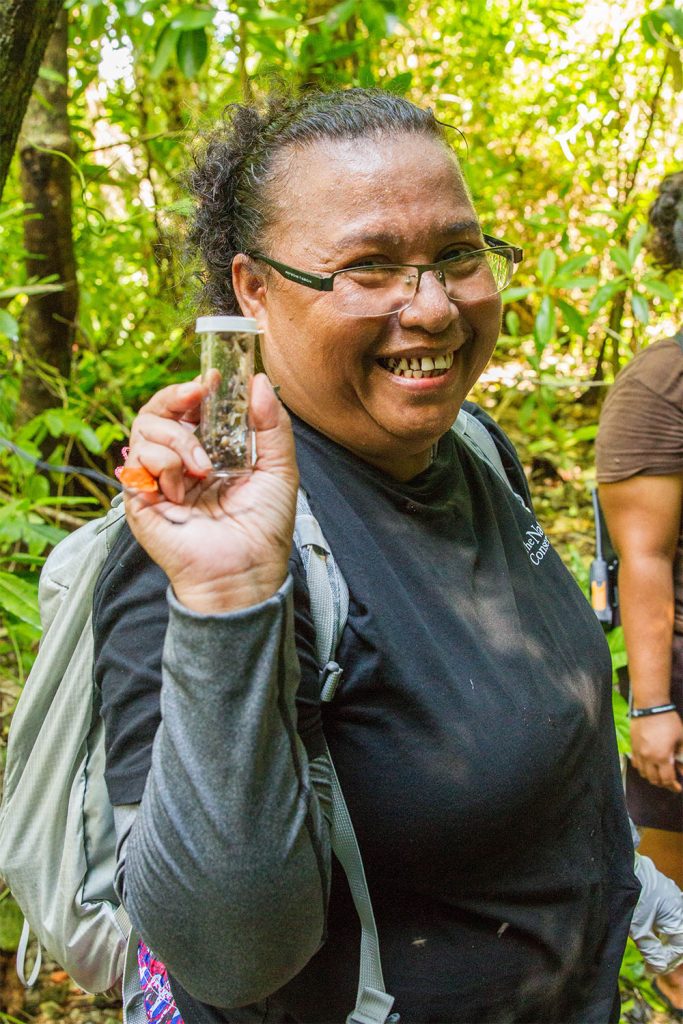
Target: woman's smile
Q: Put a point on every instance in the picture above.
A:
(418, 367)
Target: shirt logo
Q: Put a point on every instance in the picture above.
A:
(536, 543)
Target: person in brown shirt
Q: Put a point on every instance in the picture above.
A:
(640, 475)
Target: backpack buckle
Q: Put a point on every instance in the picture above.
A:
(330, 677)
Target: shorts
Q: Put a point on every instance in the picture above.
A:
(652, 806)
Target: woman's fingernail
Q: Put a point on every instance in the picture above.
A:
(201, 459)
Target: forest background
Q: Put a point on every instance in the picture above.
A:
(565, 117)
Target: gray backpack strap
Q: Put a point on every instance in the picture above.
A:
(131, 991)
(22, 950)
(373, 1003)
(329, 597)
(328, 591)
(476, 436)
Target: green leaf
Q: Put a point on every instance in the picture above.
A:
(544, 325)
(90, 439)
(621, 722)
(166, 44)
(546, 265)
(50, 75)
(190, 18)
(11, 923)
(512, 323)
(98, 21)
(184, 207)
(341, 13)
(571, 316)
(581, 283)
(605, 293)
(622, 260)
(636, 243)
(587, 433)
(515, 294)
(655, 286)
(374, 16)
(30, 289)
(574, 263)
(640, 307)
(8, 325)
(192, 49)
(366, 77)
(271, 20)
(673, 59)
(19, 598)
(674, 17)
(44, 533)
(648, 30)
(400, 83)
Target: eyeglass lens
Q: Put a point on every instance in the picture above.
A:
(368, 291)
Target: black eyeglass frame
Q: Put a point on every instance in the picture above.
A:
(325, 283)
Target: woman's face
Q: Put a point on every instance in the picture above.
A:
(396, 199)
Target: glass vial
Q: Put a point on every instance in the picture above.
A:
(227, 365)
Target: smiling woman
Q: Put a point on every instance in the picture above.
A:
(472, 729)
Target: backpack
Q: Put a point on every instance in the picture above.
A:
(57, 840)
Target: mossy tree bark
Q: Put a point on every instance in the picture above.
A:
(49, 320)
(25, 28)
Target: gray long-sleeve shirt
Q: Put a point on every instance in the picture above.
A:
(230, 823)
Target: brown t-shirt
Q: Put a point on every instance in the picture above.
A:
(641, 429)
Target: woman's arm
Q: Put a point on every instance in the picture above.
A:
(225, 871)
(643, 515)
(227, 862)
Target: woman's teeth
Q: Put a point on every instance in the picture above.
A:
(418, 368)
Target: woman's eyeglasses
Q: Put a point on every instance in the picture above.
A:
(382, 289)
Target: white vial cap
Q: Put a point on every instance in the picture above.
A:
(246, 324)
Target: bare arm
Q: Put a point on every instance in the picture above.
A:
(643, 516)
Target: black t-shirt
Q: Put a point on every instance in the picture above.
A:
(472, 735)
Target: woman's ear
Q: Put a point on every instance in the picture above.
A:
(249, 286)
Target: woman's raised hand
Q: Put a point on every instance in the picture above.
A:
(222, 545)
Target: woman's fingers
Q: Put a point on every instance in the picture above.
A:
(655, 740)
(167, 448)
(657, 772)
(177, 401)
(150, 430)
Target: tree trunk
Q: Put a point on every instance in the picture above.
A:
(49, 320)
(25, 28)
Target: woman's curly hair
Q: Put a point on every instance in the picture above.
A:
(235, 177)
(665, 216)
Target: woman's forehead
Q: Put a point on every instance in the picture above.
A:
(360, 189)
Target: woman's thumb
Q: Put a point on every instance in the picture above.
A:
(274, 438)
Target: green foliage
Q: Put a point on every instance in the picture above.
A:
(11, 922)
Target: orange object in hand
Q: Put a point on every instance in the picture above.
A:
(137, 478)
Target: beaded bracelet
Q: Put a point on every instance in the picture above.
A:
(658, 709)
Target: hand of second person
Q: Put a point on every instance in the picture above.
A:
(656, 741)
(223, 546)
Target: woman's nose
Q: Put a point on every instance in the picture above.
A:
(431, 308)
